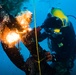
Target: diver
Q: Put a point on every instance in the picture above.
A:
(61, 38)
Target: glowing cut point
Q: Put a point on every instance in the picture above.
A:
(12, 37)
(22, 22)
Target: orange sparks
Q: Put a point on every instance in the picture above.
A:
(24, 19)
(10, 37)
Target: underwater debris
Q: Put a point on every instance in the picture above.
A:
(12, 6)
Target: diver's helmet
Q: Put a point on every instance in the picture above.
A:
(56, 20)
(57, 12)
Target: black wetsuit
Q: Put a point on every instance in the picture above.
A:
(63, 43)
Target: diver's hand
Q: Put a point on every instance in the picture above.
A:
(38, 29)
(48, 56)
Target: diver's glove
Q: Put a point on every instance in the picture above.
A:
(48, 56)
(38, 29)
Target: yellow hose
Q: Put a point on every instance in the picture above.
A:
(36, 37)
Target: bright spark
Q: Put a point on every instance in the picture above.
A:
(12, 37)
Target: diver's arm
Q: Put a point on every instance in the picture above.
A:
(30, 42)
(42, 36)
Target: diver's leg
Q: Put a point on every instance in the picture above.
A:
(60, 68)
